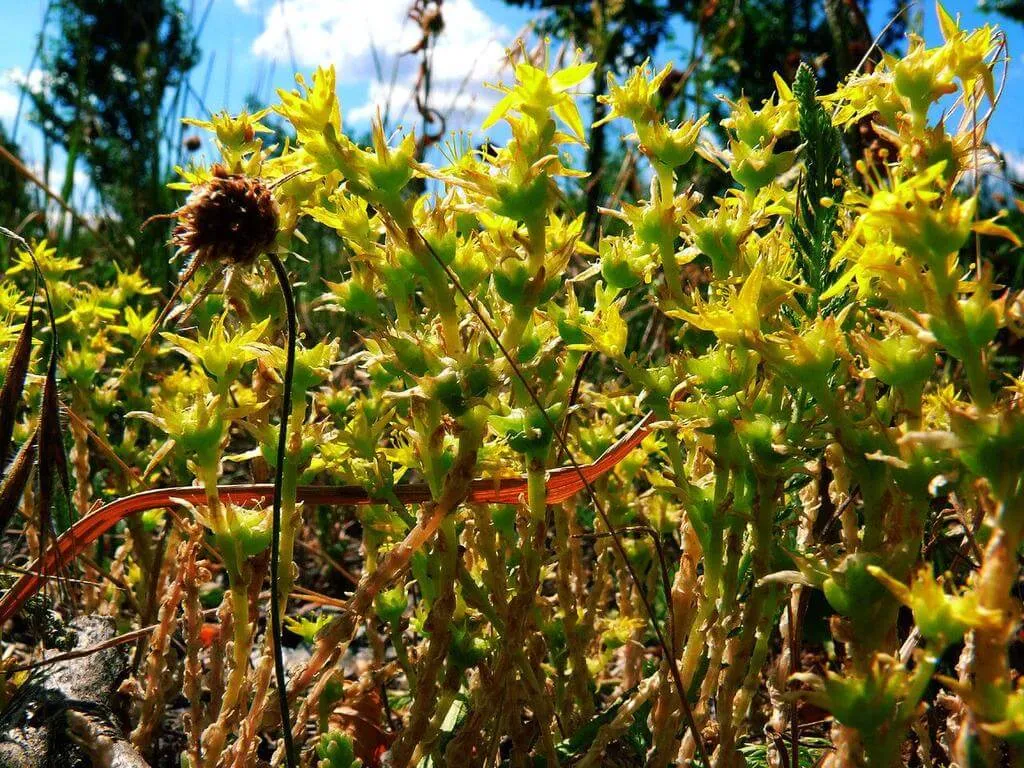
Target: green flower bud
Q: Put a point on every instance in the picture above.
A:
(504, 518)
(210, 595)
(983, 317)
(355, 299)
(623, 264)
(863, 702)
(529, 345)
(992, 447)
(510, 280)
(248, 529)
(312, 365)
(651, 224)
(719, 237)
(466, 649)
(151, 519)
(526, 430)
(391, 604)
(337, 402)
(902, 361)
(851, 589)
(808, 358)
(335, 751)
(619, 631)
(400, 279)
(446, 388)
(390, 169)
(203, 441)
(470, 264)
(478, 379)
(760, 437)
(411, 357)
(333, 692)
(520, 201)
(1011, 724)
(571, 330)
(81, 366)
(922, 77)
(307, 628)
(942, 618)
(670, 147)
(755, 168)
(721, 371)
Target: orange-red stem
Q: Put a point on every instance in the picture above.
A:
(561, 484)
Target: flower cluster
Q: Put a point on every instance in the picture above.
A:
(803, 394)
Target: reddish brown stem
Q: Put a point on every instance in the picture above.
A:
(562, 483)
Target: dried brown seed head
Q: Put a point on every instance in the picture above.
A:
(230, 218)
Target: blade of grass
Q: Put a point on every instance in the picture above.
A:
(24, 171)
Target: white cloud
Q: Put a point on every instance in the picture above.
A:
(58, 174)
(34, 80)
(8, 104)
(11, 81)
(367, 41)
(459, 106)
(1014, 165)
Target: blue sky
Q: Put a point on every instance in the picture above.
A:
(250, 46)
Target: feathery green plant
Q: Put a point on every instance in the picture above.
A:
(817, 213)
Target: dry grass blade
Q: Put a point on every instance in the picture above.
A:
(79, 653)
(12, 486)
(25, 172)
(183, 280)
(52, 459)
(131, 474)
(14, 382)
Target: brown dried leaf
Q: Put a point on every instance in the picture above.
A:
(52, 459)
(14, 383)
(14, 480)
(362, 717)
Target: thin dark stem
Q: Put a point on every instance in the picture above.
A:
(662, 565)
(275, 538)
(573, 395)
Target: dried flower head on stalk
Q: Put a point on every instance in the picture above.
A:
(227, 221)
(232, 218)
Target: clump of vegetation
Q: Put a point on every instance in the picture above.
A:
(742, 484)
